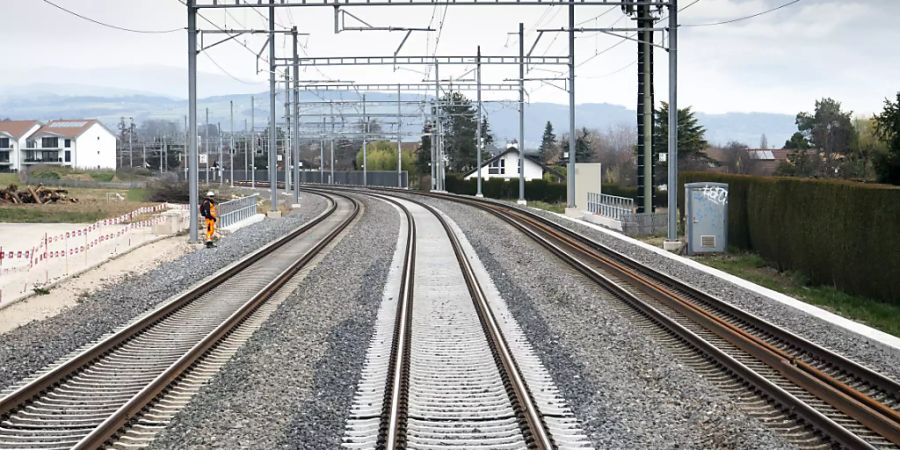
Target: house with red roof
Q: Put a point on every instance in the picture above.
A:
(13, 134)
(77, 143)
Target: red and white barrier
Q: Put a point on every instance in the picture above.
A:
(61, 254)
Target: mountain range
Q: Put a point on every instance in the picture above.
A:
(45, 101)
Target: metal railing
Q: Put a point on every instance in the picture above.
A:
(234, 211)
(610, 206)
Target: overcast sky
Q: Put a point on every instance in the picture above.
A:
(779, 62)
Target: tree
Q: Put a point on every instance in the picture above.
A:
(691, 137)
(423, 154)
(548, 144)
(887, 128)
(736, 157)
(459, 128)
(382, 155)
(797, 141)
(829, 131)
(763, 142)
(583, 150)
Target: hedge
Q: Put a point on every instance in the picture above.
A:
(837, 233)
(540, 190)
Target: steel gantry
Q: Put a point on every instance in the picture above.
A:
(193, 6)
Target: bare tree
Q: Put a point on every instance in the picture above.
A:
(736, 158)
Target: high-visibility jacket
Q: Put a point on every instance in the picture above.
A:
(208, 209)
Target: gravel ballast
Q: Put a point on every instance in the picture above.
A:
(833, 337)
(33, 346)
(627, 390)
(292, 384)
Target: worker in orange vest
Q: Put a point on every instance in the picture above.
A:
(208, 211)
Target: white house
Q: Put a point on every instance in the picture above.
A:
(83, 144)
(505, 165)
(13, 134)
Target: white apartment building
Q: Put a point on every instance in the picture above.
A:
(82, 144)
(13, 134)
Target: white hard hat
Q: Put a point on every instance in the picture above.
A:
(210, 194)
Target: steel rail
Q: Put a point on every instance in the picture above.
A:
(121, 417)
(534, 428)
(869, 412)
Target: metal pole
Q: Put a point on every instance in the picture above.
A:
(570, 173)
(130, 148)
(479, 140)
(288, 142)
(322, 156)
(245, 148)
(365, 144)
(273, 163)
(220, 168)
(399, 146)
(672, 187)
(193, 175)
(331, 181)
(439, 137)
(206, 146)
(144, 153)
(295, 148)
(435, 134)
(231, 145)
(253, 142)
(521, 114)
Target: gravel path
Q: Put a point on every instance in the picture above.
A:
(627, 391)
(811, 328)
(291, 385)
(39, 343)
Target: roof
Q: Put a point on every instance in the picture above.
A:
(511, 149)
(17, 128)
(768, 154)
(69, 128)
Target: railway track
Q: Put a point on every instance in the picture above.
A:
(122, 390)
(845, 403)
(447, 369)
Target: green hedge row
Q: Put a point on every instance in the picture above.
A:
(541, 190)
(838, 233)
(535, 190)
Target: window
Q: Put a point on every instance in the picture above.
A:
(68, 156)
(497, 167)
(49, 142)
(4, 142)
(68, 143)
(29, 143)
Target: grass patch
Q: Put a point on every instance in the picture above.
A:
(751, 267)
(7, 179)
(92, 206)
(104, 176)
(552, 207)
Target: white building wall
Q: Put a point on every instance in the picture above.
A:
(94, 149)
(16, 146)
(533, 171)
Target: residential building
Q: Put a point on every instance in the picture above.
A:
(506, 165)
(13, 134)
(82, 144)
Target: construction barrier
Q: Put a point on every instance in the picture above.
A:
(60, 254)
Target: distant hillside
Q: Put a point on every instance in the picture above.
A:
(39, 102)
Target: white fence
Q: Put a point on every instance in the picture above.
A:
(234, 211)
(63, 253)
(610, 206)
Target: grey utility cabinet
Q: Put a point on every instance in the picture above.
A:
(706, 217)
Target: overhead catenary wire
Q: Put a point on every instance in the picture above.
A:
(109, 25)
(738, 19)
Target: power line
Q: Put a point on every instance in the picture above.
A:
(742, 18)
(109, 25)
